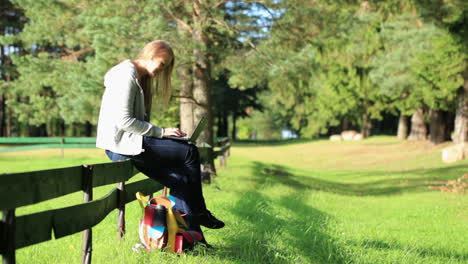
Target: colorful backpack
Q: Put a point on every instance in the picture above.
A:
(162, 227)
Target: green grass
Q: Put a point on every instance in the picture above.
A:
(297, 202)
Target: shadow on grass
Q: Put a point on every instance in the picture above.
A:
(405, 181)
(284, 230)
(269, 238)
(423, 252)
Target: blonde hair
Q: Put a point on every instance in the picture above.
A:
(160, 87)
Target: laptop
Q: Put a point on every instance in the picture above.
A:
(195, 134)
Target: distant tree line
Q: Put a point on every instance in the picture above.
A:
(336, 65)
(315, 67)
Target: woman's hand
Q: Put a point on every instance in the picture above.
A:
(172, 131)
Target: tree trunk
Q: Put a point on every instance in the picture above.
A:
(187, 105)
(437, 127)
(366, 125)
(366, 122)
(402, 127)
(225, 130)
(2, 95)
(201, 77)
(345, 125)
(222, 124)
(8, 118)
(49, 128)
(74, 130)
(418, 127)
(61, 128)
(460, 134)
(186, 102)
(88, 129)
(234, 127)
(2, 115)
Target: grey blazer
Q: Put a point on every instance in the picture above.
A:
(121, 124)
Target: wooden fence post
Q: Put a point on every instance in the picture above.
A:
(225, 158)
(9, 226)
(222, 161)
(121, 208)
(87, 196)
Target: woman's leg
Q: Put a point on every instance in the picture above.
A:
(175, 164)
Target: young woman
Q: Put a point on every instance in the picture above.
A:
(124, 130)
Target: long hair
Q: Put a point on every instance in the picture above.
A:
(159, 88)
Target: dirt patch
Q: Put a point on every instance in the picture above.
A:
(459, 185)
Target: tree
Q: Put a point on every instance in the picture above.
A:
(72, 44)
(420, 68)
(234, 103)
(401, 38)
(453, 16)
(439, 69)
(11, 22)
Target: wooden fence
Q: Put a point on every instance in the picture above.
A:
(27, 188)
(33, 143)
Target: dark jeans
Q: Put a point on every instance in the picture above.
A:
(175, 164)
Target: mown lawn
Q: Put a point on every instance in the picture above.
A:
(293, 202)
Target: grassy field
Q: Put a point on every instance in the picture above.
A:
(293, 202)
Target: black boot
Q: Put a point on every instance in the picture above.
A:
(206, 219)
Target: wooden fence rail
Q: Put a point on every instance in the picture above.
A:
(27, 188)
(20, 189)
(34, 143)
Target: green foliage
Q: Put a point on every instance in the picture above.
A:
(264, 125)
(73, 44)
(439, 68)
(363, 60)
(402, 41)
(421, 65)
(336, 98)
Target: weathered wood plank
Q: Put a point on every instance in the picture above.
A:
(220, 151)
(32, 229)
(47, 140)
(46, 146)
(221, 141)
(121, 208)
(20, 189)
(73, 219)
(9, 221)
(147, 186)
(87, 197)
(2, 237)
(37, 228)
(112, 172)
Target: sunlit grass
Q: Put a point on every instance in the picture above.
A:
(299, 202)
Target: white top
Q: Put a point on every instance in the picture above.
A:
(121, 124)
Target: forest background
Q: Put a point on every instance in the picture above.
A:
(255, 68)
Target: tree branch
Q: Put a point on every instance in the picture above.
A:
(187, 97)
(220, 3)
(72, 55)
(269, 61)
(179, 21)
(78, 52)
